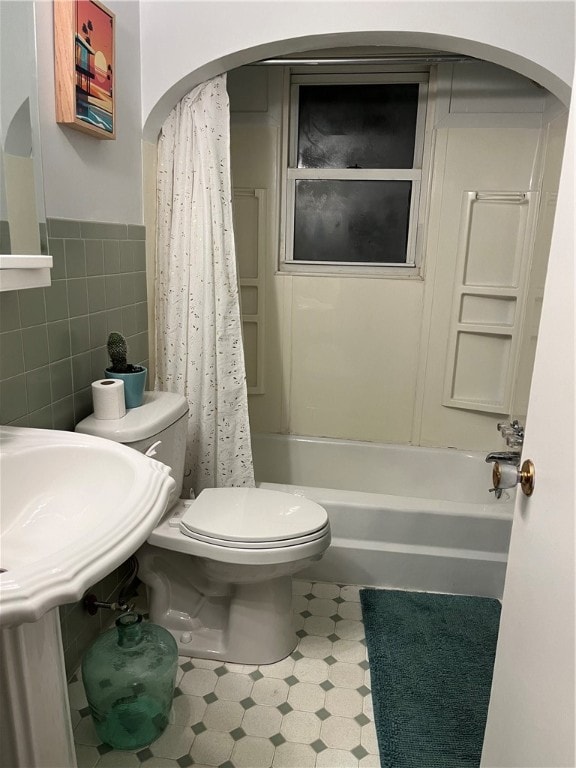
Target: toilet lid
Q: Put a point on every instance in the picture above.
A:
(252, 515)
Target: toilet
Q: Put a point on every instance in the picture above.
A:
(218, 568)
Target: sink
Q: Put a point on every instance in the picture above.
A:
(74, 507)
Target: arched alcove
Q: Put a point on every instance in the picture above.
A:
(364, 44)
(424, 40)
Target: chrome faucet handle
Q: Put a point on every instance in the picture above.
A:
(507, 457)
(506, 428)
(512, 432)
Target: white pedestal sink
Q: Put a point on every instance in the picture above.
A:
(35, 729)
(73, 507)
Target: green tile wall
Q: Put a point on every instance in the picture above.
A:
(53, 345)
(53, 340)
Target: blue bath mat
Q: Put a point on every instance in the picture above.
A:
(431, 661)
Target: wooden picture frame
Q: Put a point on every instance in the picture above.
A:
(84, 62)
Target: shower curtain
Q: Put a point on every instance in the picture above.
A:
(199, 351)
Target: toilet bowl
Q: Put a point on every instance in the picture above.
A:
(218, 569)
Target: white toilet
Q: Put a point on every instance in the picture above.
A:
(219, 568)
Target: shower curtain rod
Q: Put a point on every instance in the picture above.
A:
(407, 59)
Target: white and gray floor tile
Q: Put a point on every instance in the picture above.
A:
(312, 709)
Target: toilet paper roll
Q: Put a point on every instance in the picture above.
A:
(504, 475)
(108, 399)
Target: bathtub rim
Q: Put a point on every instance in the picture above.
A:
(500, 510)
(374, 444)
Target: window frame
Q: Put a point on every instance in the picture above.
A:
(294, 77)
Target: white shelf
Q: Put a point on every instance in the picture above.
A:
(19, 271)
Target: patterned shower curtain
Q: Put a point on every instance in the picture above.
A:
(199, 351)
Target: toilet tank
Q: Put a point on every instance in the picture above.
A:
(161, 417)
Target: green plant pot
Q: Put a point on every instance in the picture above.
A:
(134, 384)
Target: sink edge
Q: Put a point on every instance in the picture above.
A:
(28, 592)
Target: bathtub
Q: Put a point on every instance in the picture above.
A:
(401, 517)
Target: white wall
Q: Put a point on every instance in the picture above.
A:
(87, 178)
(553, 141)
(17, 81)
(196, 37)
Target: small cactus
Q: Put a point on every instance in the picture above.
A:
(117, 351)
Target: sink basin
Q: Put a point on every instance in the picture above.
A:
(73, 507)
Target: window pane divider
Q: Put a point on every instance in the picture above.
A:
(360, 78)
(357, 174)
(399, 264)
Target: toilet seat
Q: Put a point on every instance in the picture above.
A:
(169, 536)
(253, 518)
(274, 544)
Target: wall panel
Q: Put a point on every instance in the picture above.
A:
(480, 255)
(492, 267)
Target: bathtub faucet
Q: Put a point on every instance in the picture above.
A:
(505, 457)
(510, 461)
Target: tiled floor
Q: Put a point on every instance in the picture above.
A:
(314, 708)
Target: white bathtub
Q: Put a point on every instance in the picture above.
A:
(402, 517)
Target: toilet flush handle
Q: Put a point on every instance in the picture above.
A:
(152, 450)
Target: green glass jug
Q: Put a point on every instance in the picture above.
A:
(129, 676)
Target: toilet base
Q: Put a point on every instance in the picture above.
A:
(246, 623)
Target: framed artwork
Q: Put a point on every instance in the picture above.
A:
(84, 67)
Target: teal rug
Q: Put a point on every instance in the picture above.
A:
(431, 661)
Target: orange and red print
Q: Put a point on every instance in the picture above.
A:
(94, 50)
(85, 76)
